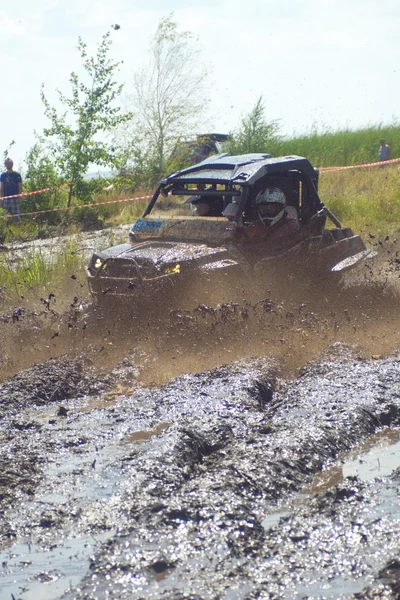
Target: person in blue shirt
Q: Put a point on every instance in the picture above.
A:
(10, 185)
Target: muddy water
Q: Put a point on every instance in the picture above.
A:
(136, 466)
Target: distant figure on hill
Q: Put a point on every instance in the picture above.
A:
(10, 185)
(384, 152)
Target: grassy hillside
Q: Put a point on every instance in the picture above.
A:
(342, 147)
(368, 199)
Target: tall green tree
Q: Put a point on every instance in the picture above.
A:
(42, 173)
(169, 96)
(91, 113)
(255, 133)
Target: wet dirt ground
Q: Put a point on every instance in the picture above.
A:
(238, 451)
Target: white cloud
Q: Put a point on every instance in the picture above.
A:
(10, 26)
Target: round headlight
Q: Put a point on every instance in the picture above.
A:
(98, 263)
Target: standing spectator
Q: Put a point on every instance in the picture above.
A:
(384, 152)
(10, 185)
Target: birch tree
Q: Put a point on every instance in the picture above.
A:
(170, 95)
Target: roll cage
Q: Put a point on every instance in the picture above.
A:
(240, 178)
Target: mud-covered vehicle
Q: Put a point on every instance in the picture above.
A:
(226, 219)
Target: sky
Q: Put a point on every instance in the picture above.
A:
(317, 63)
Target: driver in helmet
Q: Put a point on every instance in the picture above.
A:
(271, 207)
(275, 218)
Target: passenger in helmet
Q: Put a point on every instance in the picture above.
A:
(231, 211)
(210, 206)
(199, 208)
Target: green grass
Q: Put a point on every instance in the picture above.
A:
(120, 213)
(341, 147)
(38, 270)
(365, 199)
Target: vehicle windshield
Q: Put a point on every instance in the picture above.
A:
(195, 199)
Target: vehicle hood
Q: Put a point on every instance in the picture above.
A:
(158, 257)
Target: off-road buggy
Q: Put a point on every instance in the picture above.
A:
(171, 250)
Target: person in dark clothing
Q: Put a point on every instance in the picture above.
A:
(212, 206)
(385, 152)
(10, 185)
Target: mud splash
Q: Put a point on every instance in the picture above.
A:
(292, 325)
(291, 316)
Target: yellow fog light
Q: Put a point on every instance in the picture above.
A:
(176, 269)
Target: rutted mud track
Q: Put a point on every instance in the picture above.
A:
(137, 465)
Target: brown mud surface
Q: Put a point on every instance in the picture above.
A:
(288, 315)
(236, 451)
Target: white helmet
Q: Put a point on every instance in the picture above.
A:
(231, 211)
(270, 202)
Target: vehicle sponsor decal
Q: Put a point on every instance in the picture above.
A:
(146, 226)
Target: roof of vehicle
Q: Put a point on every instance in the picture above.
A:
(232, 171)
(216, 137)
(244, 169)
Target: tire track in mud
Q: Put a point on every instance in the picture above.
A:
(180, 480)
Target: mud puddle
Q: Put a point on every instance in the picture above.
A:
(29, 572)
(84, 243)
(377, 456)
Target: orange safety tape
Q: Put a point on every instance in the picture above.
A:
(48, 210)
(35, 192)
(374, 164)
